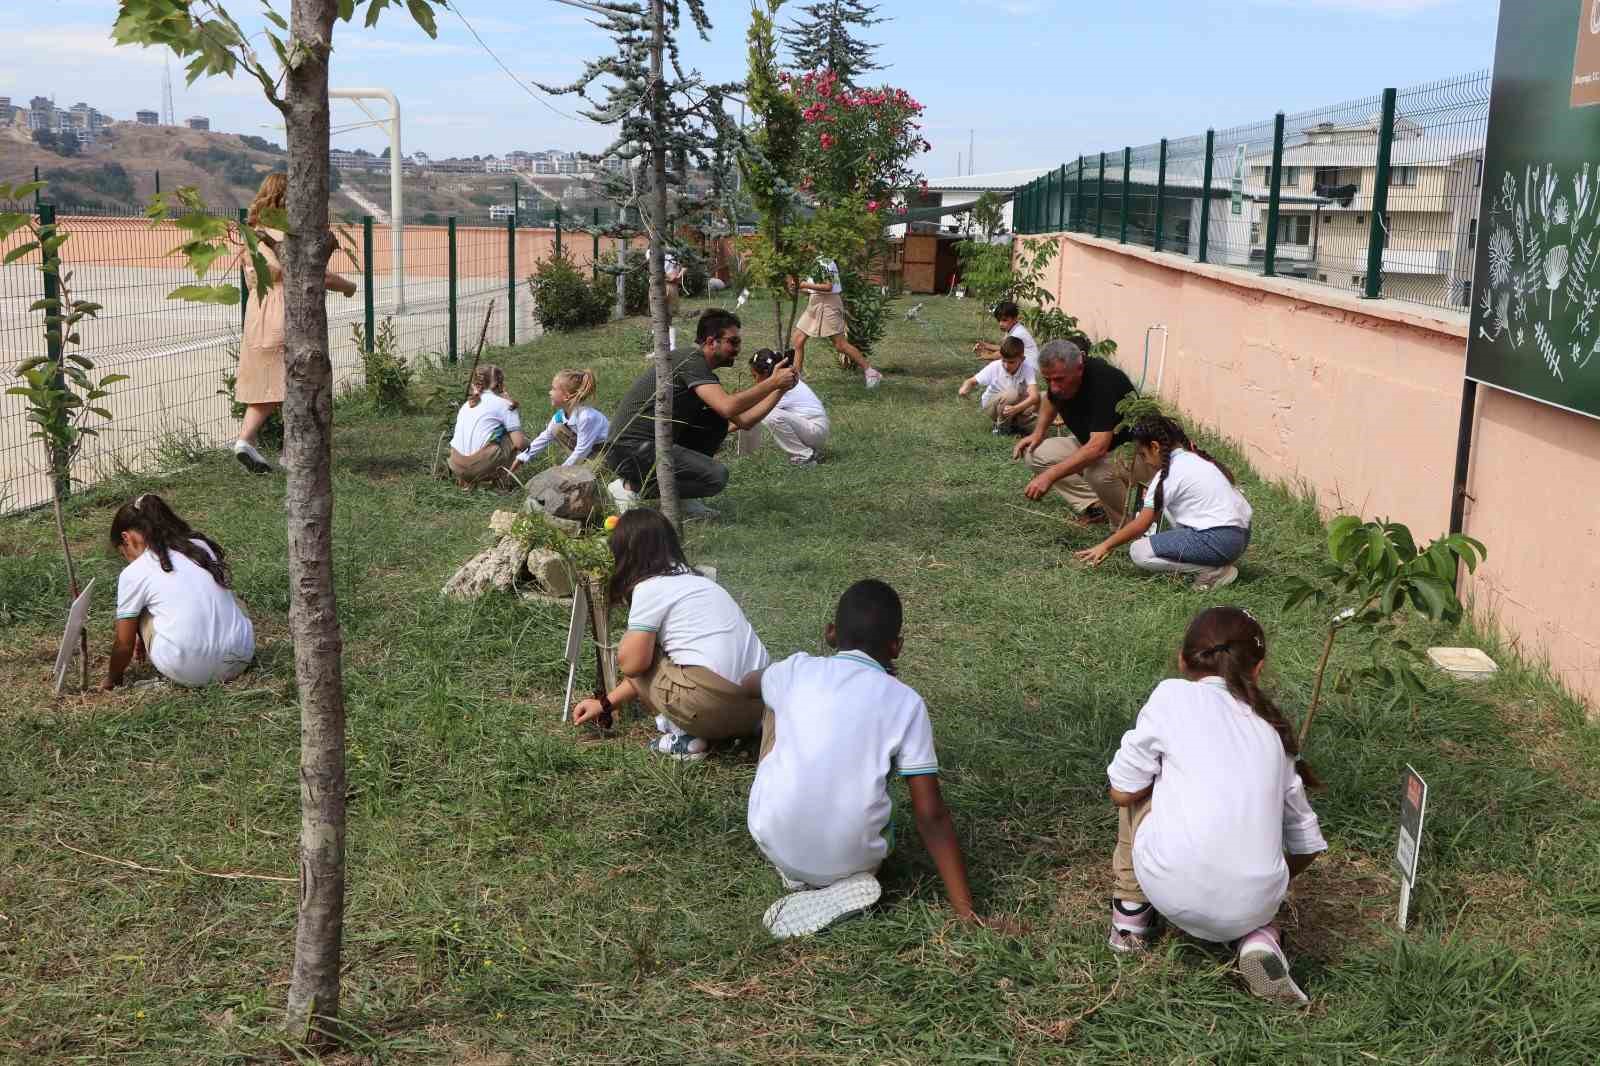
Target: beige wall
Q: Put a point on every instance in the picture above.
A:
(1360, 400)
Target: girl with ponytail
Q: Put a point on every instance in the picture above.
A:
(576, 426)
(1210, 518)
(488, 429)
(1213, 816)
(173, 599)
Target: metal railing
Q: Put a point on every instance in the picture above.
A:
(177, 354)
(1378, 196)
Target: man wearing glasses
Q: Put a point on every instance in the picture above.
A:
(701, 413)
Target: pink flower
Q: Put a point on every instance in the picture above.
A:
(872, 205)
(827, 141)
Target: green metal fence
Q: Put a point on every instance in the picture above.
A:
(178, 355)
(1377, 196)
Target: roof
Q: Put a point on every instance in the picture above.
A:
(995, 179)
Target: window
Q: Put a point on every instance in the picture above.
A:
(1291, 177)
(1295, 229)
(1403, 176)
(1472, 234)
(1326, 176)
(1477, 174)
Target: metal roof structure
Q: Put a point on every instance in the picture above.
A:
(994, 180)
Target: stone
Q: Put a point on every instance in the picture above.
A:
(1468, 664)
(493, 569)
(549, 573)
(502, 521)
(570, 492)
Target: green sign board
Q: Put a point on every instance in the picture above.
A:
(1536, 290)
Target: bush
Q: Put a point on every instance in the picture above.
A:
(565, 299)
(636, 290)
(388, 375)
(867, 315)
(260, 144)
(108, 178)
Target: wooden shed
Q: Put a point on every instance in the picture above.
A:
(927, 262)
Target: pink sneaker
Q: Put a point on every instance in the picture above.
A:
(873, 377)
(1266, 969)
(1132, 925)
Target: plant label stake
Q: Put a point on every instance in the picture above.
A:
(1413, 808)
(576, 628)
(77, 616)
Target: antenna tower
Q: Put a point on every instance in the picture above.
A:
(167, 118)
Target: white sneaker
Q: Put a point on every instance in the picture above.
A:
(873, 376)
(1208, 580)
(1266, 969)
(695, 510)
(621, 495)
(253, 460)
(804, 913)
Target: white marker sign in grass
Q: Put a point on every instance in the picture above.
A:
(1413, 808)
(77, 616)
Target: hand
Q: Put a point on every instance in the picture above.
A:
(1008, 409)
(785, 376)
(1038, 487)
(585, 711)
(1024, 446)
(977, 347)
(963, 391)
(1092, 556)
(140, 652)
(997, 923)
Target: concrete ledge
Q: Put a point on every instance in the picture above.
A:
(1417, 316)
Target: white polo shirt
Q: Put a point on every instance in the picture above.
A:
(842, 725)
(696, 623)
(995, 380)
(802, 400)
(1199, 495)
(1226, 807)
(1030, 347)
(477, 426)
(202, 635)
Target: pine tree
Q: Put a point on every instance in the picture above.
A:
(667, 119)
(826, 39)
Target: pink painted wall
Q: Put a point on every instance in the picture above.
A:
(1360, 401)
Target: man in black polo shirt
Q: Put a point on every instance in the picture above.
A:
(1080, 467)
(701, 411)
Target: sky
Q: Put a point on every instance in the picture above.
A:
(1031, 82)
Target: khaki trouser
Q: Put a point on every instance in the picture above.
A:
(485, 463)
(1124, 885)
(698, 701)
(1024, 421)
(1103, 482)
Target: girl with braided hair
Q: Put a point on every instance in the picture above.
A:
(1213, 817)
(1209, 516)
(174, 600)
(488, 432)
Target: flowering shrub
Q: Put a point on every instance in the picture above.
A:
(857, 141)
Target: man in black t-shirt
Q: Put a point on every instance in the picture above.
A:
(1080, 467)
(701, 411)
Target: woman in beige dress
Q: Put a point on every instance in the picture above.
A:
(260, 382)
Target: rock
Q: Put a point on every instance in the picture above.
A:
(570, 492)
(501, 521)
(495, 568)
(549, 572)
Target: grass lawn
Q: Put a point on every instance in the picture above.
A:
(520, 894)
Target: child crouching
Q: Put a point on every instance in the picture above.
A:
(835, 728)
(1213, 820)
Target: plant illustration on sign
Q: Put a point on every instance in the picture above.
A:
(1543, 243)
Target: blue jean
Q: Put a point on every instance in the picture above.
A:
(1186, 551)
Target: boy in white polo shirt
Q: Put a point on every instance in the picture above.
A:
(835, 729)
(1010, 397)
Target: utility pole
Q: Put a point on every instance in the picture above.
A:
(971, 135)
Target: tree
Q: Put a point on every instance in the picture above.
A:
(214, 42)
(663, 115)
(45, 139)
(770, 161)
(826, 40)
(67, 144)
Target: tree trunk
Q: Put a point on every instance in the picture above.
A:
(313, 1004)
(666, 470)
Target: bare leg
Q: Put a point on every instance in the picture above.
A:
(797, 341)
(842, 345)
(255, 416)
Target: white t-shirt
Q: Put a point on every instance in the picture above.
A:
(202, 635)
(801, 400)
(697, 623)
(1227, 805)
(477, 426)
(995, 380)
(590, 425)
(830, 271)
(1199, 496)
(842, 725)
(1030, 347)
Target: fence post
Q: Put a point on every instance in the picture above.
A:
(451, 289)
(366, 278)
(158, 179)
(36, 191)
(52, 336)
(1161, 194)
(511, 277)
(1379, 234)
(1100, 200)
(1061, 206)
(1205, 194)
(558, 229)
(1077, 198)
(1270, 265)
(594, 256)
(1127, 172)
(244, 288)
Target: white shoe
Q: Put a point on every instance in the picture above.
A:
(873, 376)
(621, 495)
(1266, 970)
(694, 510)
(253, 460)
(1209, 580)
(804, 913)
